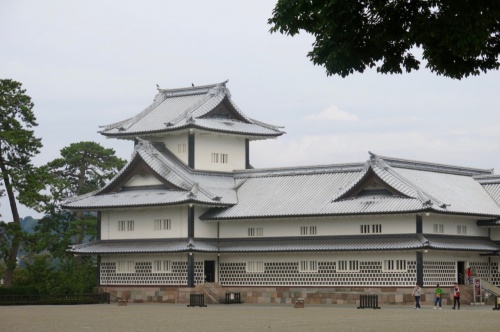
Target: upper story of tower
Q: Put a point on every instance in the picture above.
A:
(200, 125)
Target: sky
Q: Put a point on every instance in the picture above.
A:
(91, 63)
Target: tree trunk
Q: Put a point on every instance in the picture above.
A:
(16, 236)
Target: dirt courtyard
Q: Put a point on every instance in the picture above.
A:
(244, 317)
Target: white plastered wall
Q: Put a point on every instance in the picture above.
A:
(142, 180)
(398, 224)
(451, 223)
(144, 223)
(177, 144)
(494, 233)
(206, 144)
(203, 229)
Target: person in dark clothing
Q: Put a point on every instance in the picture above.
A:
(456, 297)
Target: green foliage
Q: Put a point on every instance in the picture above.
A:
(18, 144)
(43, 275)
(57, 231)
(76, 277)
(82, 168)
(458, 37)
(20, 179)
(22, 290)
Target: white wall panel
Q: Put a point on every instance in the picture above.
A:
(206, 144)
(144, 223)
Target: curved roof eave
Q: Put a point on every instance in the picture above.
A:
(187, 127)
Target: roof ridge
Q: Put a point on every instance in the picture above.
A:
(436, 167)
(298, 170)
(191, 90)
(426, 198)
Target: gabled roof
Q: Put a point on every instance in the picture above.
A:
(180, 184)
(490, 183)
(287, 244)
(411, 186)
(207, 107)
(328, 190)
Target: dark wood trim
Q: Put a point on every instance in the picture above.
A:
(98, 274)
(418, 224)
(247, 154)
(420, 268)
(190, 222)
(191, 141)
(190, 274)
(98, 226)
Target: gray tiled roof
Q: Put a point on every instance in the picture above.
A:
(183, 108)
(299, 193)
(306, 191)
(203, 188)
(286, 244)
(137, 198)
(461, 243)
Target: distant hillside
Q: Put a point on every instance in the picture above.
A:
(28, 224)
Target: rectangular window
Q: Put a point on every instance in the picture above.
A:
(162, 224)
(130, 225)
(395, 265)
(308, 230)
(348, 266)
(161, 266)
(121, 225)
(181, 148)
(125, 266)
(220, 158)
(438, 228)
(366, 229)
(308, 266)
(256, 231)
(462, 230)
(125, 225)
(255, 266)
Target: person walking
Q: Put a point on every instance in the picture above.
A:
(468, 276)
(438, 293)
(456, 297)
(416, 293)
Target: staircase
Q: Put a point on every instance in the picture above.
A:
(212, 291)
(490, 288)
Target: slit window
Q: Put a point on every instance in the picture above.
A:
(256, 231)
(255, 266)
(125, 225)
(163, 224)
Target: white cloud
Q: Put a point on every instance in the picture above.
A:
(332, 113)
(476, 151)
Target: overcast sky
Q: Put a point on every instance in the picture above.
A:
(91, 63)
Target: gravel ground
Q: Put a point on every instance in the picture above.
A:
(244, 317)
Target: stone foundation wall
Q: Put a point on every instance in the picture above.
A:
(285, 295)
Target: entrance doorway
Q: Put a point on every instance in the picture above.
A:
(461, 273)
(209, 270)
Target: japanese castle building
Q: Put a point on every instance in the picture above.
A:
(189, 208)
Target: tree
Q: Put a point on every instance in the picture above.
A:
(82, 168)
(21, 180)
(458, 37)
